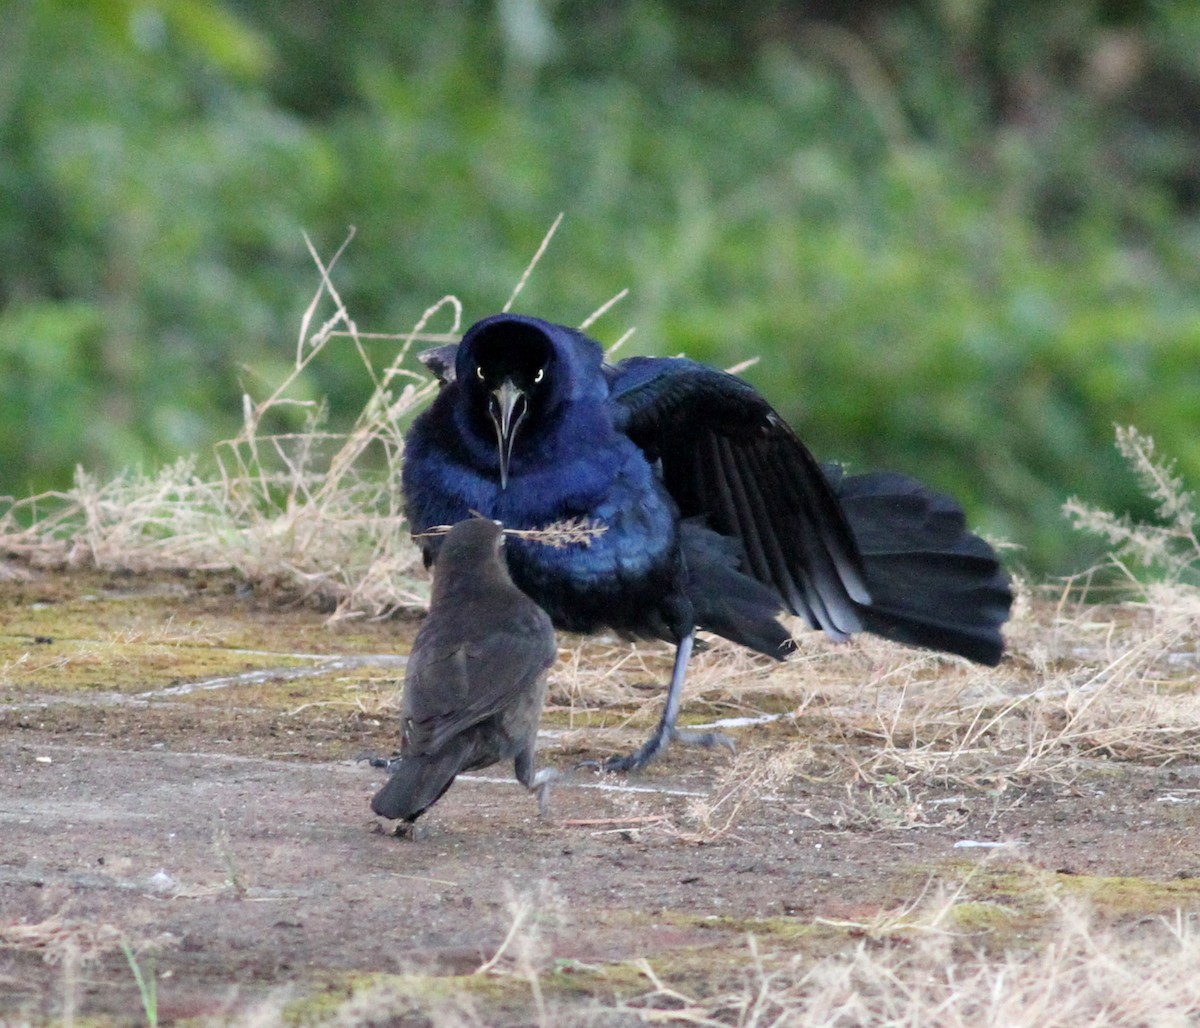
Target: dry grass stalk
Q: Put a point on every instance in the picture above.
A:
(525, 951)
(751, 778)
(57, 938)
(557, 534)
(602, 674)
(313, 511)
(1174, 545)
(317, 513)
(1084, 682)
(310, 511)
(916, 966)
(1113, 682)
(1083, 711)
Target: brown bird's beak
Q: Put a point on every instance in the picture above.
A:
(507, 409)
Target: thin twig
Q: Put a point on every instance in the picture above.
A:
(533, 264)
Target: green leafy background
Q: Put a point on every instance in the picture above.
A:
(962, 236)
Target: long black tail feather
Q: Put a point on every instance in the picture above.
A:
(932, 582)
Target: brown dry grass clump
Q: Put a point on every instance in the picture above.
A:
(916, 965)
(310, 511)
(909, 969)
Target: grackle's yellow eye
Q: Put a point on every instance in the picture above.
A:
(540, 375)
(479, 372)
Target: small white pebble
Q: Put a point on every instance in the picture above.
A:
(160, 881)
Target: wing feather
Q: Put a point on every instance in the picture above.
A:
(448, 689)
(810, 594)
(728, 456)
(799, 590)
(763, 552)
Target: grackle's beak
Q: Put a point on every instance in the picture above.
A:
(507, 409)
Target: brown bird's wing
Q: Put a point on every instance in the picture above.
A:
(454, 682)
(727, 456)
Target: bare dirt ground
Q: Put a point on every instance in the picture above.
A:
(180, 796)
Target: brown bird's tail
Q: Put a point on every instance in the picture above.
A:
(416, 783)
(932, 582)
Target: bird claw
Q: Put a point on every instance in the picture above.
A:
(410, 830)
(630, 762)
(541, 787)
(639, 758)
(384, 762)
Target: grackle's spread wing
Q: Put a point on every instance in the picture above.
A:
(727, 456)
(454, 683)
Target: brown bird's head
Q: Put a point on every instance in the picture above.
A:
(471, 557)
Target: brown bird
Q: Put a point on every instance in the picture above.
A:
(476, 679)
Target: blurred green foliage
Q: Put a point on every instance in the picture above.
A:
(962, 235)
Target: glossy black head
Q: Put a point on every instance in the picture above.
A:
(507, 367)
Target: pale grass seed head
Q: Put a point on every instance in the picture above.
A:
(923, 964)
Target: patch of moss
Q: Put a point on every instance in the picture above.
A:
(116, 665)
(983, 917)
(1122, 896)
(80, 607)
(782, 928)
(376, 994)
(398, 997)
(1020, 895)
(65, 634)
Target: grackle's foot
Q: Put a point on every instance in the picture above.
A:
(384, 762)
(630, 762)
(400, 830)
(639, 758)
(709, 740)
(409, 830)
(541, 788)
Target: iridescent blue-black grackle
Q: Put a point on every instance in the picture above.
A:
(715, 514)
(476, 679)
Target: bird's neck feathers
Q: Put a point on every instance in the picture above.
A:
(459, 589)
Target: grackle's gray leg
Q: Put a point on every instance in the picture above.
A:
(666, 730)
(538, 784)
(541, 787)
